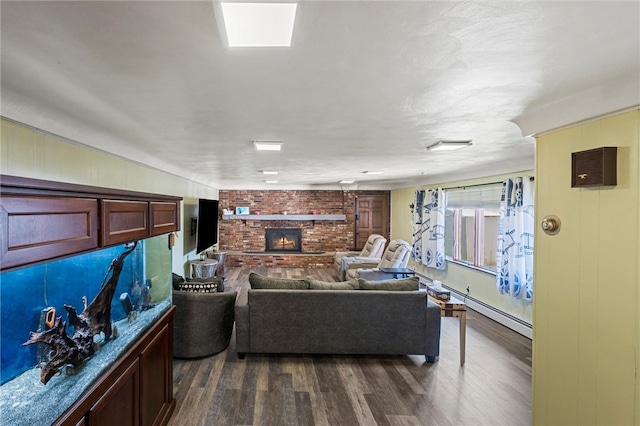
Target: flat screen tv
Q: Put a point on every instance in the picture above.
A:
(207, 225)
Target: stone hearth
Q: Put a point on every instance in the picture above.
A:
(288, 260)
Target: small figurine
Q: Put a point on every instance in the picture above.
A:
(136, 295)
(132, 316)
(146, 299)
(68, 370)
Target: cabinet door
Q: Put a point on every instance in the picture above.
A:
(164, 217)
(120, 403)
(124, 221)
(156, 380)
(40, 228)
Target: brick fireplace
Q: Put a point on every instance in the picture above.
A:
(283, 240)
(245, 240)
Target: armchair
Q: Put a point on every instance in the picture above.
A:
(203, 322)
(396, 255)
(371, 252)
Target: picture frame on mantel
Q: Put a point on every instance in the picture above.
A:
(242, 210)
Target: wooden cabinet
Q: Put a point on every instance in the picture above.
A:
(42, 220)
(164, 217)
(120, 404)
(156, 379)
(41, 228)
(124, 221)
(137, 389)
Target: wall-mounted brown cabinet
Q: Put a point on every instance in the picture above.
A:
(124, 221)
(40, 228)
(41, 220)
(164, 217)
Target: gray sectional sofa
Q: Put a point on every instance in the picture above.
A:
(357, 317)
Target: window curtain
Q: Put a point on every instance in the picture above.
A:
(428, 228)
(515, 239)
(416, 210)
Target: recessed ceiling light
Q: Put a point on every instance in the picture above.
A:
(258, 24)
(267, 145)
(347, 181)
(448, 145)
(270, 172)
(367, 172)
(271, 181)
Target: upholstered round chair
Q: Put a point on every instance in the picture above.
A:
(203, 323)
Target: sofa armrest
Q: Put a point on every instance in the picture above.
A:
(242, 320)
(341, 254)
(432, 332)
(362, 262)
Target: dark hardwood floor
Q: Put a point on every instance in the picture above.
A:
(493, 387)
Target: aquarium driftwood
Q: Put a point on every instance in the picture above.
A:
(94, 319)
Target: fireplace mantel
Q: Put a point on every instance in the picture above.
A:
(285, 216)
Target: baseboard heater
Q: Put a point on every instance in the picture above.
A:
(504, 318)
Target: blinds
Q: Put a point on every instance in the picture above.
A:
(478, 198)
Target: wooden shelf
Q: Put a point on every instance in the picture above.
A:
(285, 216)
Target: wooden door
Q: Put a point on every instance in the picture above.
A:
(372, 217)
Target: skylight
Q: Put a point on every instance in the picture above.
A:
(259, 24)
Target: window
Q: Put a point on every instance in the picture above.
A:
(471, 227)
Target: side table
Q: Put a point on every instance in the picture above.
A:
(397, 272)
(455, 308)
(203, 268)
(220, 257)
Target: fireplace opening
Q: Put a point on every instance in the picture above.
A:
(283, 240)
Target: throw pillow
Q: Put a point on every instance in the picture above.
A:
(177, 279)
(330, 285)
(404, 284)
(219, 281)
(198, 287)
(261, 282)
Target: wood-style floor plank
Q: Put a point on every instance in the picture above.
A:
(493, 387)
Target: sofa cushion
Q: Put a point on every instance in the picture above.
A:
(198, 287)
(332, 285)
(404, 284)
(261, 282)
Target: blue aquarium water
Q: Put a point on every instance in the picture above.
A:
(26, 292)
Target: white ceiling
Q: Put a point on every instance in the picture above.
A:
(366, 85)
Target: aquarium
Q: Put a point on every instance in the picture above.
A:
(135, 278)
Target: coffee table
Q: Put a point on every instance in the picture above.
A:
(396, 272)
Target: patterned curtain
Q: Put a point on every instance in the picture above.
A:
(515, 239)
(433, 229)
(416, 211)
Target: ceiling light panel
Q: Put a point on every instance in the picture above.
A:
(347, 181)
(270, 172)
(259, 24)
(448, 145)
(267, 145)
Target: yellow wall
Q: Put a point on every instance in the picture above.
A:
(27, 153)
(482, 284)
(587, 287)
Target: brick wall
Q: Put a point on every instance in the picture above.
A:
(248, 235)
